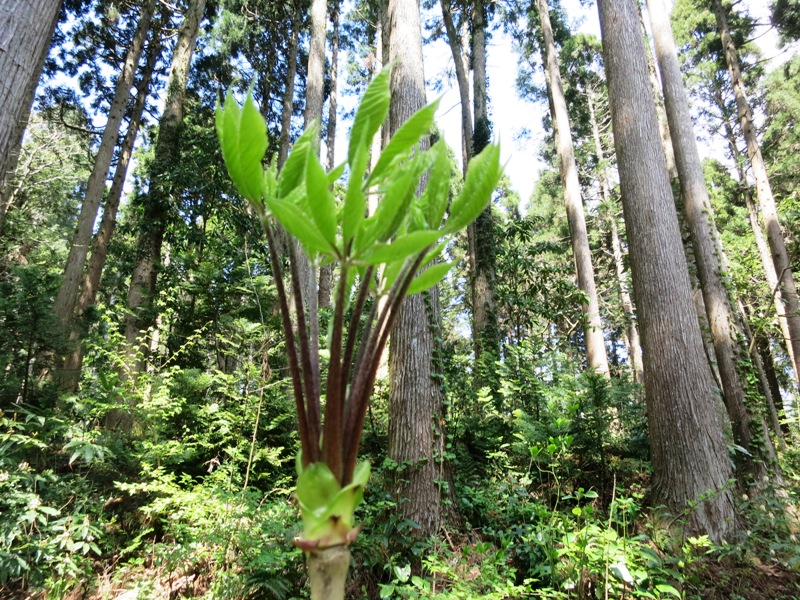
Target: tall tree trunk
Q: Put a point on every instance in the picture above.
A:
(326, 271)
(766, 201)
(633, 344)
(142, 290)
(767, 263)
(67, 297)
(481, 233)
(315, 74)
(461, 63)
(288, 90)
(698, 211)
(91, 281)
(12, 160)
(689, 454)
(415, 401)
(25, 34)
(593, 329)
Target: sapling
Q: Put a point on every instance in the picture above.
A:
(387, 255)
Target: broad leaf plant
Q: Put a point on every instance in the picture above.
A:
(386, 255)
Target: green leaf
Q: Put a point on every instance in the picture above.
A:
(361, 474)
(294, 169)
(401, 248)
(396, 198)
(404, 139)
(437, 192)
(242, 134)
(429, 278)
(665, 588)
(298, 223)
(336, 174)
(355, 204)
(316, 487)
(371, 113)
(390, 273)
(320, 198)
(483, 174)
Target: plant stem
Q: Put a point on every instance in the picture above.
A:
(327, 570)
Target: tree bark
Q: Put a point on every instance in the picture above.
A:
(415, 401)
(64, 306)
(698, 213)
(25, 34)
(142, 290)
(596, 358)
(633, 344)
(91, 281)
(460, 61)
(315, 74)
(481, 233)
(766, 201)
(326, 271)
(288, 93)
(689, 454)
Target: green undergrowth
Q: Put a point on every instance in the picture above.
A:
(553, 497)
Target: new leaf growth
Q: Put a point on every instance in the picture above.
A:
(388, 255)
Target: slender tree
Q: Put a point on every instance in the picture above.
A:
(155, 214)
(689, 455)
(288, 90)
(698, 213)
(766, 201)
(108, 224)
(64, 306)
(595, 345)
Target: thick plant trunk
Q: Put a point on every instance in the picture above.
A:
(698, 211)
(25, 34)
(766, 201)
(327, 572)
(64, 306)
(142, 290)
(596, 358)
(415, 400)
(94, 272)
(689, 455)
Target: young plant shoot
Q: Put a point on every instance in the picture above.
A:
(389, 254)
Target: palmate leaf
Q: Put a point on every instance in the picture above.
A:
(243, 137)
(483, 174)
(371, 113)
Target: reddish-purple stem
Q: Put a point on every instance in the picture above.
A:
(334, 401)
(306, 444)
